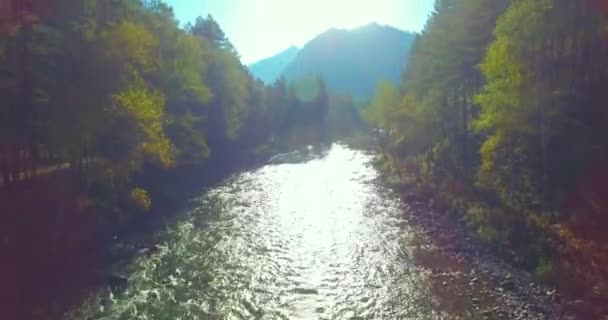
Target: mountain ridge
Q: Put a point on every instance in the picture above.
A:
(352, 61)
(349, 59)
(271, 68)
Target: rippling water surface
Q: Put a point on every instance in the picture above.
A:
(315, 239)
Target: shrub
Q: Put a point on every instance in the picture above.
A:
(483, 220)
(140, 198)
(544, 269)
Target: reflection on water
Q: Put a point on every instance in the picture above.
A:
(320, 239)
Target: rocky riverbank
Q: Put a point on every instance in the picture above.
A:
(506, 291)
(517, 293)
(496, 289)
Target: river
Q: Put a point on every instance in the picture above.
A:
(313, 235)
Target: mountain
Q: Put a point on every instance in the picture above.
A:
(269, 70)
(353, 61)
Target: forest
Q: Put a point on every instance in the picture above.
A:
(113, 113)
(501, 120)
(107, 106)
(121, 96)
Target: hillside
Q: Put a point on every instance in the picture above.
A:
(268, 70)
(348, 59)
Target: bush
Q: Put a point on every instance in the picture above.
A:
(484, 221)
(544, 269)
(140, 198)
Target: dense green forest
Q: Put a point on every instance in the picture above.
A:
(107, 107)
(501, 118)
(118, 93)
(112, 112)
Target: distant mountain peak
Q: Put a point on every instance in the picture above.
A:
(354, 61)
(291, 48)
(373, 24)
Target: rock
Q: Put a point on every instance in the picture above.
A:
(575, 304)
(305, 291)
(153, 295)
(117, 283)
(538, 308)
(502, 314)
(508, 284)
(488, 313)
(579, 308)
(149, 251)
(475, 300)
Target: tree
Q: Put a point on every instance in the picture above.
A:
(380, 112)
(209, 29)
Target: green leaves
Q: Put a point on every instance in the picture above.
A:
(131, 46)
(184, 67)
(143, 110)
(119, 82)
(230, 86)
(501, 95)
(379, 113)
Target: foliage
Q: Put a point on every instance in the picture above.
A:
(141, 198)
(139, 113)
(118, 93)
(506, 97)
(544, 269)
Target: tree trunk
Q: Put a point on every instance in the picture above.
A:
(10, 165)
(431, 155)
(381, 142)
(465, 128)
(418, 169)
(26, 108)
(4, 167)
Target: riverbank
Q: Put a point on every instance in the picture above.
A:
(523, 289)
(512, 293)
(61, 246)
(319, 238)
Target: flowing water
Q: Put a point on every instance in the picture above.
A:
(312, 235)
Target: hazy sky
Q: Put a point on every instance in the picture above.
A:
(262, 28)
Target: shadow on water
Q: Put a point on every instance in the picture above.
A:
(301, 155)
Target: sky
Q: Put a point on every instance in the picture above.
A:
(262, 28)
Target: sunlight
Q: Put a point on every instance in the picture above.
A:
(303, 159)
(321, 14)
(262, 28)
(344, 13)
(300, 21)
